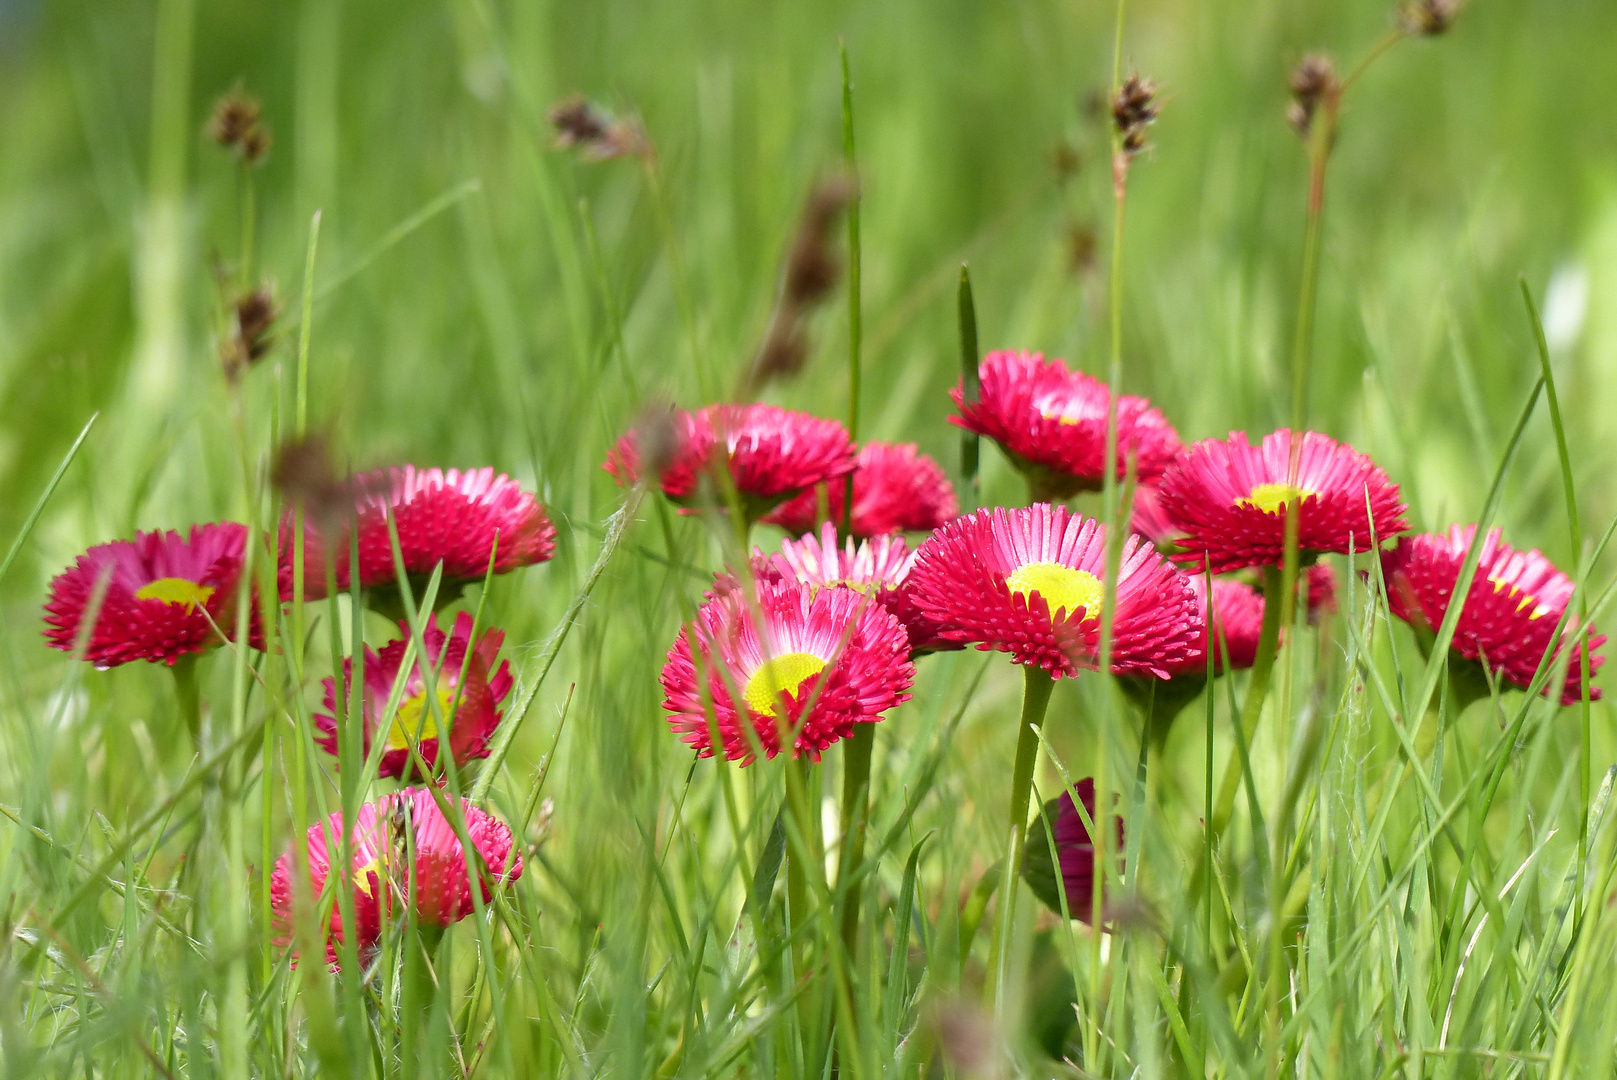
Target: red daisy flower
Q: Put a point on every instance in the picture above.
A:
(771, 453)
(1510, 614)
(1075, 850)
(1321, 582)
(162, 590)
(475, 720)
(1229, 498)
(440, 888)
(1028, 582)
(1239, 610)
(1052, 422)
(878, 567)
(384, 835)
(820, 661)
(452, 517)
(895, 489)
(367, 875)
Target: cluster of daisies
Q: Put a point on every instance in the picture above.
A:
(794, 651)
(167, 598)
(826, 634)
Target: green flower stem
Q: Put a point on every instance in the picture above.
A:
(855, 817)
(1257, 690)
(417, 989)
(190, 701)
(1035, 701)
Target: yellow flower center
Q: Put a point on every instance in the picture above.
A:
(362, 876)
(1272, 498)
(414, 716)
(176, 590)
(1063, 587)
(1528, 600)
(779, 675)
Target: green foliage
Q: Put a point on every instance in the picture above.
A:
(1410, 897)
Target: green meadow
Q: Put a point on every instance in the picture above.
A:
(1409, 885)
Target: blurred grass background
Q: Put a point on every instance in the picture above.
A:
(487, 332)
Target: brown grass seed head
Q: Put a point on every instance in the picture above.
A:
(1312, 82)
(583, 125)
(1134, 108)
(237, 124)
(1427, 18)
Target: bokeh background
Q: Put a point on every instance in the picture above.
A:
(482, 298)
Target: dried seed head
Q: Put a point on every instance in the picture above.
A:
(1312, 82)
(1134, 108)
(967, 1038)
(812, 268)
(597, 134)
(254, 313)
(655, 438)
(305, 477)
(237, 125)
(1065, 161)
(812, 271)
(1081, 247)
(539, 831)
(1427, 18)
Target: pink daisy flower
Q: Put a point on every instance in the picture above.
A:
(162, 590)
(452, 517)
(770, 452)
(879, 568)
(819, 662)
(1239, 610)
(440, 887)
(1075, 850)
(1510, 614)
(366, 875)
(485, 689)
(895, 489)
(384, 835)
(1053, 423)
(1028, 582)
(1229, 498)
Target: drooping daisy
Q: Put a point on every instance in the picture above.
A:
(820, 661)
(1052, 422)
(438, 883)
(1029, 582)
(161, 591)
(457, 518)
(896, 488)
(1075, 850)
(1229, 498)
(770, 453)
(366, 876)
(1510, 614)
(476, 718)
(879, 568)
